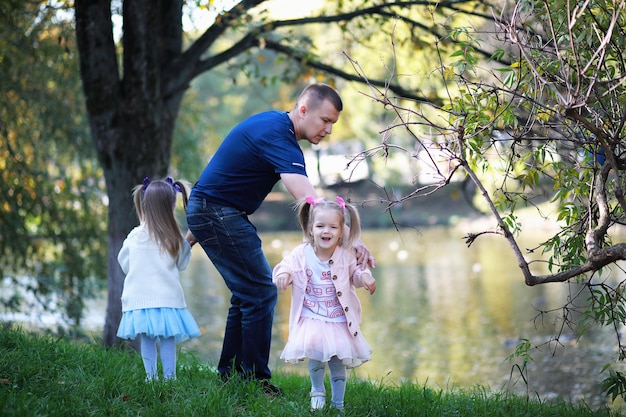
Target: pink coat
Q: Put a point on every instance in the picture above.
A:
(346, 276)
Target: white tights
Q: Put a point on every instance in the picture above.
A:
(317, 371)
(168, 356)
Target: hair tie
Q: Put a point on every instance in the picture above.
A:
(170, 181)
(313, 201)
(146, 182)
(341, 203)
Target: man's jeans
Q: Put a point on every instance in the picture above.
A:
(234, 247)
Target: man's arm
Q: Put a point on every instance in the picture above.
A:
(299, 186)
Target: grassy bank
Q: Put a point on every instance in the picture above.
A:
(47, 376)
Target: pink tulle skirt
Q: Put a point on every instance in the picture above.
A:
(321, 340)
(158, 322)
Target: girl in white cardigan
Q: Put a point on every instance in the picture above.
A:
(324, 322)
(153, 253)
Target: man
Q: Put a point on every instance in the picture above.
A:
(255, 155)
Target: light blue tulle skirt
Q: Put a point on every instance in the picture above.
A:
(154, 322)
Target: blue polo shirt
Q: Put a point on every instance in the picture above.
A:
(250, 160)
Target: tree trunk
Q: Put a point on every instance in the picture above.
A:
(131, 117)
(146, 154)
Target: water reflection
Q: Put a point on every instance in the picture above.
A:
(443, 314)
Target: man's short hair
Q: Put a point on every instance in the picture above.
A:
(315, 94)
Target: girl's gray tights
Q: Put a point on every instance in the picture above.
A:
(317, 370)
(168, 356)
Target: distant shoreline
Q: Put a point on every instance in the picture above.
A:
(443, 208)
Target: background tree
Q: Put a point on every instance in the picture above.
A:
(52, 199)
(549, 127)
(134, 90)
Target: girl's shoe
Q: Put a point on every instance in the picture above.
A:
(318, 400)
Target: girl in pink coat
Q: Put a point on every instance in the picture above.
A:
(325, 316)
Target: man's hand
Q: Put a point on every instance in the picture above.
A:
(363, 256)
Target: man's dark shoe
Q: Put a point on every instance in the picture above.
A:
(271, 390)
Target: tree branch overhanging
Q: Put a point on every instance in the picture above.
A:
(599, 215)
(190, 64)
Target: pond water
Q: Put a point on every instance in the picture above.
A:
(443, 315)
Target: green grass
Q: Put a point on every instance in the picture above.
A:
(49, 376)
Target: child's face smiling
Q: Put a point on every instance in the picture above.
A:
(327, 231)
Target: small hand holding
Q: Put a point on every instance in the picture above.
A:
(282, 281)
(369, 283)
(189, 237)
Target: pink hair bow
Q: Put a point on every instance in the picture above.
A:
(341, 203)
(313, 201)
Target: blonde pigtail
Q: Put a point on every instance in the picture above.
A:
(354, 224)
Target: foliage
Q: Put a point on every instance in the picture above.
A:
(52, 241)
(547, 127)
(614, 384)
(56, 377)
